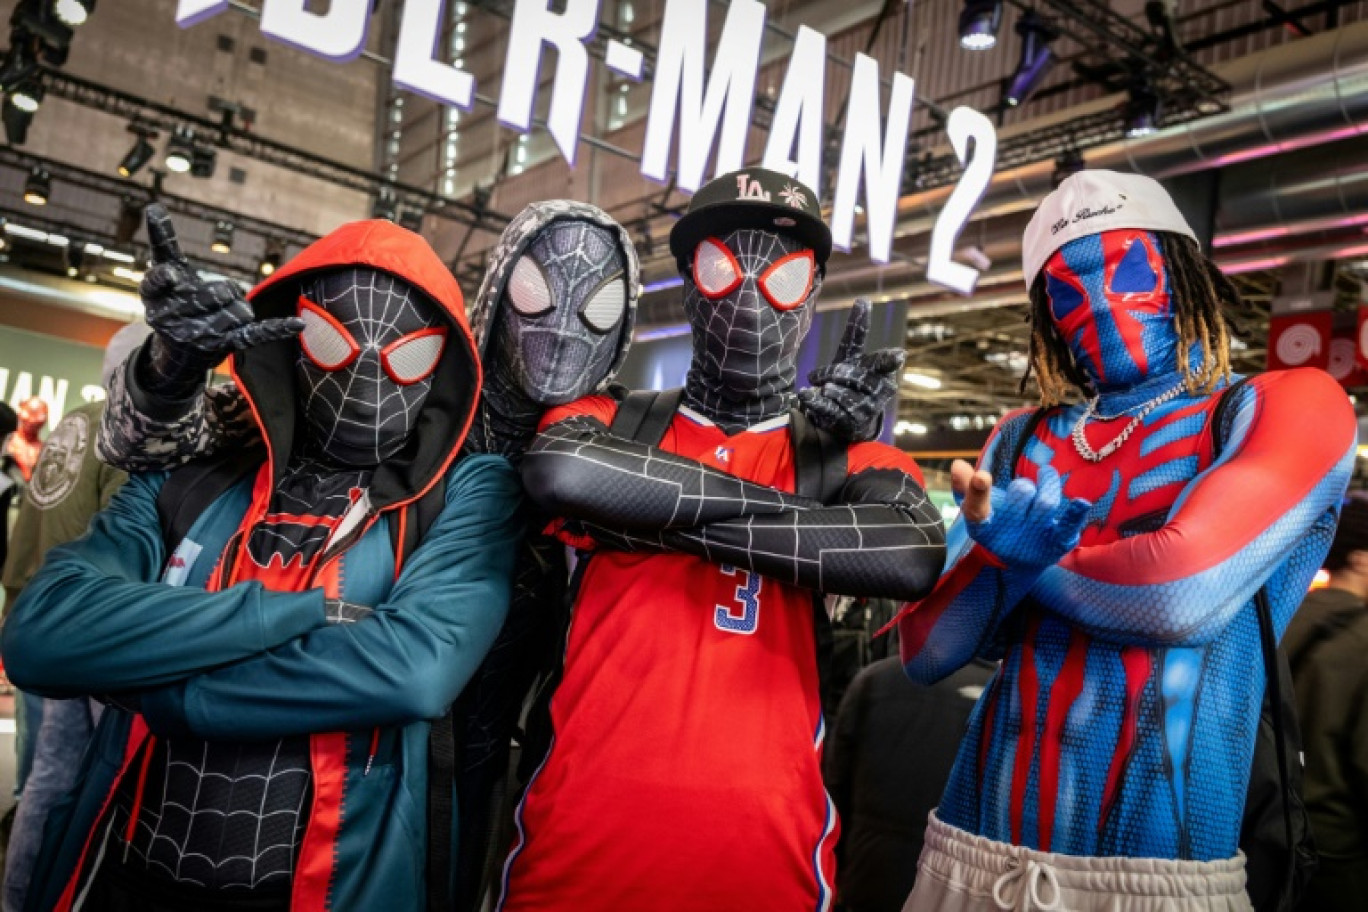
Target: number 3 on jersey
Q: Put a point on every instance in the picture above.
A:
(742, 619)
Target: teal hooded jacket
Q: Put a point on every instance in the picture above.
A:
(113, 614)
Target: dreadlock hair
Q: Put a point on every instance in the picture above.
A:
(1198, 291)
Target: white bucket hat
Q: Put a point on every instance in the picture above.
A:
(1090, 202)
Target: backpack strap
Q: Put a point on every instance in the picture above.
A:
(1024, 438)
(190, 489)
(1273, 661)
(645, 415)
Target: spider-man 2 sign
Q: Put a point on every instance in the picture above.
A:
(709, 101)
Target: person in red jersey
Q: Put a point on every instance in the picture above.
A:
(684, 761)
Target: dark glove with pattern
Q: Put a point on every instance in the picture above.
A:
(339, 612)
(196, 323)
(848, 397)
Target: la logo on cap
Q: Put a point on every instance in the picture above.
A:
(750, 189)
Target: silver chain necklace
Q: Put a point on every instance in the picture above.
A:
(1080, 441)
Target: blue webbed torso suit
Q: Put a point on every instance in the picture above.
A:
(1123, 716)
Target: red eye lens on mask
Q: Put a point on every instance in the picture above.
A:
(325, 341)
(716, 273)
(415, 356)
(788, 282)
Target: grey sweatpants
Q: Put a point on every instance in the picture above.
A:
(961, 872)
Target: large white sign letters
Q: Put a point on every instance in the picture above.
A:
(700, 108)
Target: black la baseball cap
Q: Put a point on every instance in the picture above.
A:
(751, 198)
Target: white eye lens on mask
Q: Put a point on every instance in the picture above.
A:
(528, 289)
(415, 356)
(325, 341)
(788, 282)
(715, 270)
(605, 306)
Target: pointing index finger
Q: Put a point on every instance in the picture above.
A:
(856, 329)
(161, 235)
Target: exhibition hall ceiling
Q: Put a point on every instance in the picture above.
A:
(280, 146)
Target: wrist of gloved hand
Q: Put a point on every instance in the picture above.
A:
(169, 372)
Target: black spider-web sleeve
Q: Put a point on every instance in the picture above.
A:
(577, 469)
(884, 539)
(138, 433)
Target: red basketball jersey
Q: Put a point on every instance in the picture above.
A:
(685, 770)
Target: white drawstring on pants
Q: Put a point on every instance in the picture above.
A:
(1027, 879)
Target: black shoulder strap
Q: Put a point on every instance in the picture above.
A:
(645, 415)
(1268, 644)
(1024, 438)
(819, 460)
(190, 489)
(1230, 399)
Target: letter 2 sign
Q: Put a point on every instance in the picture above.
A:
(709, 103)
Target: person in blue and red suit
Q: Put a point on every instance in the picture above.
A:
(684, 770)
(270, 680)
(1114, 568)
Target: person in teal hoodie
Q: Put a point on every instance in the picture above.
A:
(270, 681)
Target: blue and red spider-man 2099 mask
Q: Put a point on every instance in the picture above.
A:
(370, 344)
(1110, 297)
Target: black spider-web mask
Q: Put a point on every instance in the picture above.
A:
(748, 301)
(369, 346)
(558, 323)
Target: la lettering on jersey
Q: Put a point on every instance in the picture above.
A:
(685, 772)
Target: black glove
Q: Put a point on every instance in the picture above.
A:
(848, 397)
(196, 324)
(339, 612)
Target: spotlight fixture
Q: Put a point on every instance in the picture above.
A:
(1071, 162)
(223, 237)
(386, 205)
(1036, 57)
(978, 24)
(411, 218)
(1143, 110)
(73, 12)
(180, 148)
(16, 122)
(19, 63)
(38, 186)
(203, 159)
(271, 259)
(130, 220)
(27, 96)
(140, 154)
(75, 258)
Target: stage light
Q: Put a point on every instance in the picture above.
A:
(72, 12)
(75, 258)
(27, 96)
(1143, 110)
(139, 155)
(978, 24)
(19, 62)
(16, 122)
(385, 206)
(223, 237)
(271, 259)
(411, 218)
(203, 160)
(1070, 162)
(180, 148)
(1036, 57)
(38, 186)
(923, 380)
